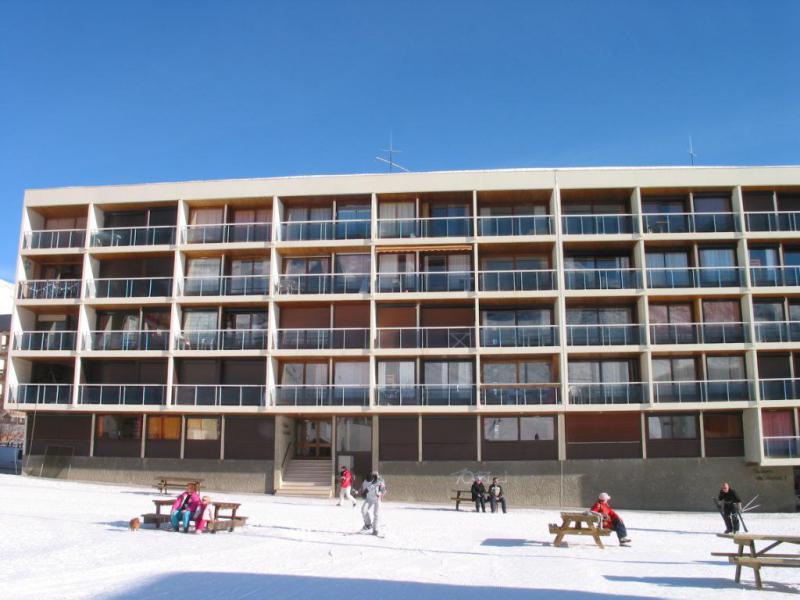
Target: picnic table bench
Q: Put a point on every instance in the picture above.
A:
(755, 559)
(225, 516)
(461, 496)
(165, 482)
(579, 523)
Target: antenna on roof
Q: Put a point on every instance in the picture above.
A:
(390, 151)
(691, 150)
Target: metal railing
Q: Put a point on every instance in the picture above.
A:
(222, 339)
(690, 222)
(425, 227)
(515, 225)
(54, 238)
(607, 393)
(693, 277)
(599, 224)
(446, 281)
(702, 391)
(133, 236)
(422, 394)
(782, 446)
(49, 289)
(349, 229)
(223, 233)
(775, 276)
(321, 395)
(132, 287)
(42, 393)
(220, 395)
(324, 283)
(517, 395)
(518, 336)
(779, 389)
(617, 334)
(225, 285)
(772, 221)
(777, 331)
(145, 339)
(333, 338)
(27, 341)
(699, 333)
(425, 337)
(517, 281)
(602, 279)
(136, 394)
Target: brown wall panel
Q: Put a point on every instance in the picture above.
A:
(162, 448)
(672, 448)
(447, 316)
(298, 317)
(396, 316)
(520, 450)
(398, 438)
(351, 314)
(201, 449)
(121, 448)
(198, 371)
(724, 447)
(249, 438)
(244, 372)
(73, 431)
(449, 438)
(605, 427)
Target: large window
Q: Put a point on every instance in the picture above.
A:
(201, 428)
(723, 368)
(163, 428)
(605, 371)
(354, 434)
(674, 369)
(513, 372)
(672, 427)
(119, 427)
(723, 425)
(512, 429)
(304, 374)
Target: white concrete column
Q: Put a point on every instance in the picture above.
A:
(643, 433)
(144, 434)
(701, 425)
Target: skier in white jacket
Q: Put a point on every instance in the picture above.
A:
(372, 490)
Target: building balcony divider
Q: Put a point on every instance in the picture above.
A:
(775, 276)
(423, 394)
(618, 334)
(608, 393)
(599, 224)
(227, 233)
(782, 446)
(699, 333)
(322, 395)
(145, 339)
(49, 289)
(222, 339)
(425, 337)
(695, 277)
(132, 394)
(520, 394)
(703, 391)
(37, 341)
(323, 283)
(517, 281)
(225, 285)
(602, 279)
(779, 389)
(220, 395)
(42, 393)
(690, 223)
(133, 236)
(332, 338)
(425, 227)
(348, 229)
(443, 281)
(513, 225)
(772, 221)
(777, 331)
(51, 239)
(518, 336)
(131, 287)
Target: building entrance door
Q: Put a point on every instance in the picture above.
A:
(313, 438)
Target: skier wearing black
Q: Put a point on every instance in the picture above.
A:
(731, 506)
(478, 494)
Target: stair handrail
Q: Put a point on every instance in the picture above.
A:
(286, 454)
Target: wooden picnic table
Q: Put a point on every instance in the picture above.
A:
(579, 523)
(164, 482)
(221, 520)
(755, 559)
(461, 496)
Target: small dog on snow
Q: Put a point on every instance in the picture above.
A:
(134, 524)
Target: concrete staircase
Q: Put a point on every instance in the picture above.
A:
(307, 478)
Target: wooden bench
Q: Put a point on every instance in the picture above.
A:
(461, 496)
(164, 483)
(579, 523)
(755, 559)
(225, 516)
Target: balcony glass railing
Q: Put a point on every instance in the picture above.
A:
(517, 281)
(426, 395)
(519, 395)
(425, 337)
(702, 391)
(57, 238)
(28, 341)
(150, 339)
(133, 236)
(518, 336)
(220, 395)
(322, 395)
(225, 285)
(599, 224)
(605, 335)
(782, 446)
(222, 339)
(223, 233)
(449, 281)
(425, 227)
(352, 229)
(134, 287)
(690, 222)
(607, 393)
(325, 283)
(772, 221)
(135, 394)
(334, 338)
(515, 225)
(777, 331)
(49, 289)
(694, 277)
(775, 276)
(779, 389)
(698, 333)
(602, 279)
(42, 393)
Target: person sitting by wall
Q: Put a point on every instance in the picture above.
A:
(478, 491)
(496, 495)
(184, 507)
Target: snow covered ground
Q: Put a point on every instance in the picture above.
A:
(71, 540)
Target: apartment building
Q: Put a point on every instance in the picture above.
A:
(633, 330)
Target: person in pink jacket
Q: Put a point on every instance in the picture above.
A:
(204, 514)
(184, 507)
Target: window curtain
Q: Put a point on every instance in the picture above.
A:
(777, 423)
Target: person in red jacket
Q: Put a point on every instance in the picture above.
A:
(611, 519)
(345, 486)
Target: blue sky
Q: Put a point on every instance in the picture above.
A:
(115, 92)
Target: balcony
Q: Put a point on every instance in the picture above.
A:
(425, 337)
(446, 281)
(510, 225)
(325, 283)
(518, 336)
(225, 233)
(783, 446)
(602, 279)
(322, 395)
(42, 393)
(775, 276)
(772, 221)
(150, 339)
(133, 236)
(605, 335)
(225, 285)
(220, 395)
(777, 331)
(425, 227)
(607, 393)
(334, 338)
(517, 281)
(38, 341)
(599, 224)
(421, 394)
(702, 391)
(49, 289)
(520, 395)
(222, 339)
(690, 222)
(354, 229)
(694, 277)
(699, 333)
(134, 394)
(52, 239)
(132, 287)
(779, 389)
